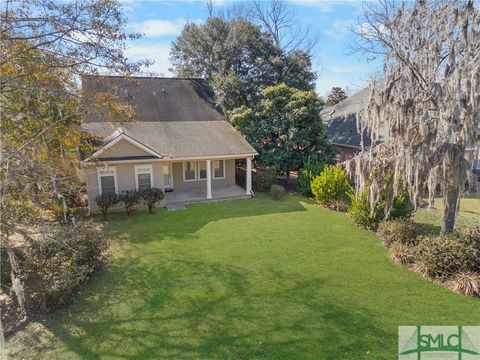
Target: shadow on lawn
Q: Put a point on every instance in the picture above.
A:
(193, 309)
(143, 227)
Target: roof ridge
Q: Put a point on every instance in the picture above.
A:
(147, 77)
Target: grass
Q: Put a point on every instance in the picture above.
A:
(468, 216)
(248, 279)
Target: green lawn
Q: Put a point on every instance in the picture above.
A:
(243, 279)
(468, 216)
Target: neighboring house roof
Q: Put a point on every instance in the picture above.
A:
(174, 118)
(340, 120)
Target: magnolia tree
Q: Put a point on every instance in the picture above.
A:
(427, 104)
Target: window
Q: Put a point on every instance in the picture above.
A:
(202, 170)
(107, 180)
(143, 177)
(218, 169)
(189, 173)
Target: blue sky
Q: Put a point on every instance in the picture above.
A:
(162, 21)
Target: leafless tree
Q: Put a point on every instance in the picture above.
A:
(276, 17)
(279, 20)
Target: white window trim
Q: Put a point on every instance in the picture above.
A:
(150, 167)
(194, 171)
(170, 170)
(198, 169)
(213, 169)
(100, 175)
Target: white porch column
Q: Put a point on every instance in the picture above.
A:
(248, 185)
(209, 179)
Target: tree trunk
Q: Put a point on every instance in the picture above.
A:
(450, 198)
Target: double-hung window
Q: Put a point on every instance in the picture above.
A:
(107, 180)
(218, 169)
(189, 171)
(143, 177)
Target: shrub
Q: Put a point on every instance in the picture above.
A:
(331, 185)
(402, 206)
(465, 283)
(360, 209)
(105, 202)
(337, 205)
(129, 199)
(402, 254)
(470, 236)
(151, 197)
(310, 170)
(445, 255)
(361, 213)
(277, 191)
(56, 266)
(400, 231)
(263, 179)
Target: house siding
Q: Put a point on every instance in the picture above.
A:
(123, 148)
(125, 180)
(179, 184)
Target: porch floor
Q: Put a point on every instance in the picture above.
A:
(191, 196)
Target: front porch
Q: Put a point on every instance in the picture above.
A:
(179, 198)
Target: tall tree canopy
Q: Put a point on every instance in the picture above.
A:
(428, 100)
(46, 47)
(285, 128)
(238, 59)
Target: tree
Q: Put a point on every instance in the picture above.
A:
(238, 60)
(285, 128)
(46, 47)
(336, 95)
(279, 20)
(427, 101)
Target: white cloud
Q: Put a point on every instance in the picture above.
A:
(157, 28)
(369, 31)
(339, 29)
(157, 52)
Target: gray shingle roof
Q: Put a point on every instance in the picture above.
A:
(340, 120)
(174, 117)
(160, 99)
(181, 138)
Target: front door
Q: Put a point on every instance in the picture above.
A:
(167, 176)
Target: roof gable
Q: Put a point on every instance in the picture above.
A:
(121, 146)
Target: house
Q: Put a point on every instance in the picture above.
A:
(178, 141)
(340, 122)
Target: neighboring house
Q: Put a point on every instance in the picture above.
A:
(340, 121)
(179, 141)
